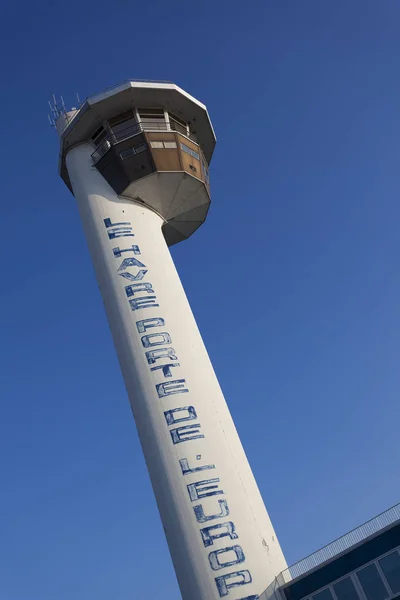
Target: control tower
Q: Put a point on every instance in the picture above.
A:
(136, 157)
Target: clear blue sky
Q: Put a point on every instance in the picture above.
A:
(301, 249)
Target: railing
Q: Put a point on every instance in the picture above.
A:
(175, 126)
(272, 591)
(335, 548)
(132, 130)
(101, 151)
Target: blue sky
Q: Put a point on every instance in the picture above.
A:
(301, 249)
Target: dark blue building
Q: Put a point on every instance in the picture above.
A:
(364, 564)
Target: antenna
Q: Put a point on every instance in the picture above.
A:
(56, 110)
(52, 116)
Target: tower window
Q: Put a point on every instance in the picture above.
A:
(152, 118)
(205, 172)
(99, 136)
(155, 113)
(124, 125)
(132, 151)
(177, 124)
(163, 144)
(190, 151)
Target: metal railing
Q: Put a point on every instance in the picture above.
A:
(101, 151)
(144, 125)
(272, 591)
(345, 542)
(175, 126)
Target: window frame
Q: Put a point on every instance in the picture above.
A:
(385, 585)
(357, 584)
(163, 146)
(101, 134)
(152, 119)
(381, 573)
(397, 550)
(121, 118)
(180, 122)
(142, 148)
(361, 596)
(189, 151)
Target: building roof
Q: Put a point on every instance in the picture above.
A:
(328, 563)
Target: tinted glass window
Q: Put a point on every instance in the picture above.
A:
(99, 136)
(372, 583)
(140, 148)
(177, 120)
(177, 124)
(151, 112)
(121, 118)
(324, 595)
(152, 118)
(190, 151)
(127, 153)
(345, 590)
(124, 125)
(132, 151)
(391, 567)
(125, 129)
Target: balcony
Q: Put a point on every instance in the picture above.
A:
(132, 130)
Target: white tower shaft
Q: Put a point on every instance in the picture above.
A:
(219, 534)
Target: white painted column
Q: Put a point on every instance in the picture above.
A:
(219, 534)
